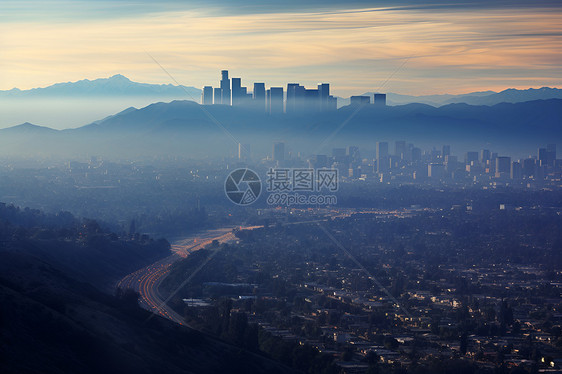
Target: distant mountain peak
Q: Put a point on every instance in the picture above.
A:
(119, 76)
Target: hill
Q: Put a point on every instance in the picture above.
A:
(52, 322)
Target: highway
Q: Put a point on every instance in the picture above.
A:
(146, 281)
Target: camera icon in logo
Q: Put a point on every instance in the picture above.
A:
(242, 186)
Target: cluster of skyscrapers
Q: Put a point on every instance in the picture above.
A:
(379, 99)
(296, 99)
(409, 163)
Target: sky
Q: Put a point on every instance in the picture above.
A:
(356, 46)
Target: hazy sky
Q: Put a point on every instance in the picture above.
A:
(356, 46)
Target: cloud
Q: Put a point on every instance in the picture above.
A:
(355, 50)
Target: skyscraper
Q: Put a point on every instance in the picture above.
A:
(516, 171)
(259, 95)
(323, 95)
(381, 150)
(236, 92)
(551, 153)
(542, 156)
(275, 100)
(207, 95)
(380, 99)
(225, 88)
(484, 155)
(293, 101)
(217, 95)
(359, 100)
(503, 165)
(470, 157)
(400, 148)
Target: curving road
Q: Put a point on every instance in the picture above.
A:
(146, 281)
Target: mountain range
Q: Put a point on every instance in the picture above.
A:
(189, 129)
(119, 85)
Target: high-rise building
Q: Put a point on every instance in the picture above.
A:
(236, 91)
(551, 153)
(294, 100)
(471, 156)
(503, 165)
(380, 99)
(217, 95)
(259, 95)
(275, 103)
(323, 96)
(546, 156)
(529, 167)
(400, 148)
(484, 155)
(381, 150)
(207, 95)
(516, 171)
(359, 100)
(446, 151)
(542, 156)
(225, 88)
(278, 151)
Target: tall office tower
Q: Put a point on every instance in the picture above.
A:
(259, 95)
(359, 100)
(542, 156)
(207, 95)
(484, 155)
(551, 153)
(381, 150)
(236, 92)
(278, 151)
(529, 167)
(470, 156)
(225, 88)
(275, 100)
(380, 99)
(217, 95)
(267, 100)
(243, 151)
(323, 95)
(400, 148)
(516, 171)
(300, 99)
(451, 162)
(446, 151)
(291, 103)
(503, 165)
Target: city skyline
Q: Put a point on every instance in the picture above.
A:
(431, 49)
